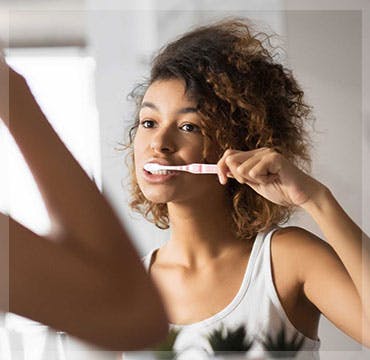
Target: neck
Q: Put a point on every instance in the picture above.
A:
(200, 232)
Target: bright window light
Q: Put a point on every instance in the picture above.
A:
(62, 83)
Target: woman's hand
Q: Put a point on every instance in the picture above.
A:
(9, 80)
(4, 87)
(270, 174)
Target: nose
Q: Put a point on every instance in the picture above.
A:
(162, 142)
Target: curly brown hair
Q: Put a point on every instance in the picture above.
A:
(246, 100)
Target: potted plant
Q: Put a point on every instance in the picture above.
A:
(229, 344)
(232, 344)
(281, 346)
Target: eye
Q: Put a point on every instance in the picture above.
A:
(190, 127)
(147, 124)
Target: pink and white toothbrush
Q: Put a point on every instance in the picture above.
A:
(192, 168)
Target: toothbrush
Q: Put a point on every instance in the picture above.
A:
(192, 168)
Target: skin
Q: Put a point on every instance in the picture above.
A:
(202, 251)
(84, 277)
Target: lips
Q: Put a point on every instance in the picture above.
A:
(160, 162)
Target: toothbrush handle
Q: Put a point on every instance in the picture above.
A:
(194, 168)
(203, 168)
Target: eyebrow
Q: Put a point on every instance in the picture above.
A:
(185, 110)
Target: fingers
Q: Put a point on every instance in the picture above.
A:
(262, 171)
(12, 86)
(247, 170)
(223, 167)
(237, 164)
(4, 89)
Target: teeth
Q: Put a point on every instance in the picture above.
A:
(162, 172)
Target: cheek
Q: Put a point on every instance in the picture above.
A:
(136, 144)
(138, 149)
(195, 153)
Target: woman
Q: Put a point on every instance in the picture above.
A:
(216, 95)
(85, 277)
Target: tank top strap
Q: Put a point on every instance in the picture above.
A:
(258, 256)
(256, 250)
(147, 259)
(266, 253)
(309, 344)
(267, 243)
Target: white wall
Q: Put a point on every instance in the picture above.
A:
(325, 51)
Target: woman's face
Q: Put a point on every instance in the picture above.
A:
(169, 133)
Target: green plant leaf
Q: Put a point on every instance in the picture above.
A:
(280, 346)
(225, 340)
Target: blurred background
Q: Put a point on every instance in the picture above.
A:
(82, 58)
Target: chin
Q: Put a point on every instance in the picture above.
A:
(157, 197)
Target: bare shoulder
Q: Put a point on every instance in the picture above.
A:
(301, 248)
(326, 283)
(292, 249)
(299, 238)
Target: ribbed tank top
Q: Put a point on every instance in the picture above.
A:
(256, 306)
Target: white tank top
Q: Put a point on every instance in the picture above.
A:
(256, 306)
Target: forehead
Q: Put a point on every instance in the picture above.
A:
(168, 92)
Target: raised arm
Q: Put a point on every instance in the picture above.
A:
(56, 285)
(335, 276)
(85, 277)
(337, 280)
(75, 205)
